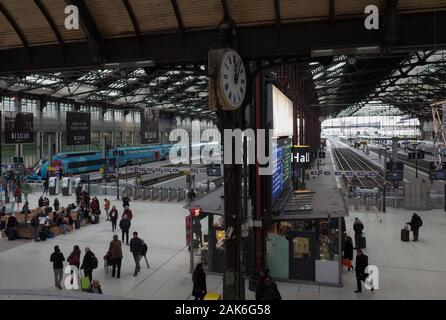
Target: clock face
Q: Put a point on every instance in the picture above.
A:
(232, 79)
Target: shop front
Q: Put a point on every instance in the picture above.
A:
(304, 245)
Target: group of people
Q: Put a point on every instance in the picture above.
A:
(89, 263)
(361, 258)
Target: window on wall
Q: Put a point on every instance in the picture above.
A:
(50, 111)
(28, 105)
(8, 104)
(137, 117)
(84, 109)
(108, 115)
(119, 116)
(95, 113)
(64, 108)
(95, 140)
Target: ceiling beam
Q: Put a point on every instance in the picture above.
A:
(91, 31)
(277, 12)
(162, 48)
(226, 15)
(51, 22)
(331, 10)
(177, 11)
(17, 30)
(132, 17)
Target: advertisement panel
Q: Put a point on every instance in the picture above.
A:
(149, 126)
(78, 128)
(19, 129)
(280, 112)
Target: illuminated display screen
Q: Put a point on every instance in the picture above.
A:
(281, 167)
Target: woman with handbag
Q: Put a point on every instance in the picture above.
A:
(347, 257)
(199, 279)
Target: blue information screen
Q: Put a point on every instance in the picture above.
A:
(281, 167)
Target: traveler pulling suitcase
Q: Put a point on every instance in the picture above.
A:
(405, 233)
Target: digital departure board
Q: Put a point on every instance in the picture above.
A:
(281, 167)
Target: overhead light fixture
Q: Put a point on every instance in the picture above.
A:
(345, 51)
(337, 65)
(128, 65)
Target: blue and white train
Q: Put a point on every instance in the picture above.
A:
(91, 161)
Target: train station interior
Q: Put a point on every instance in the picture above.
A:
(260, 149)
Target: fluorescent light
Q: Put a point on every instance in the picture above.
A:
(318, 75)
(322, 52)
(133, 64)
(371, 49)
(337, 65)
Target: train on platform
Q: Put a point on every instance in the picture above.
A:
(73, 163)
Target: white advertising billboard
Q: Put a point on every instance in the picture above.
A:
(281, 109)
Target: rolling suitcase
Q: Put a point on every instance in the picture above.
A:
(405, 234)
(12, 234)
(85, 283)
(43, 235)
(363, 242)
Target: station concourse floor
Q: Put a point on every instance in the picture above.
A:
(414, 270)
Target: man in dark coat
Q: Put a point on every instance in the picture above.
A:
(270, 291)
(136, 249)
(415, 224)
(199, 279)
(124, 224)
(115, 250)
(358, 227)
(89, 263)
(362, 261)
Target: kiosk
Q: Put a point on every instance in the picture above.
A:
(54, 186)
(66, 186)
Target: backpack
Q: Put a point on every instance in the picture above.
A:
(94, 262)
(144, 249)
(420, 222)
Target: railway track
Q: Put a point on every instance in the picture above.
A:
(348, 160)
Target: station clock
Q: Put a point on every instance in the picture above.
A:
(227, 85)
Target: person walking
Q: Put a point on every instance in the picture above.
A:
(196, 230)
(107, 208)
(56, 205)
(35, 223)
(136, 249)
(263, 274)
(115, 250)
(126, 202)
(362, 261)
(415, 224)
(347, 257)
(74, 259)
(358, 226)
(46, 185)
(144, 252)
(89, 263)
(127, 212)
(114, 218)
(124, 225)
(57, 259)
(199, 289)
(270, 291)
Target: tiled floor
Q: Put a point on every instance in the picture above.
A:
(414, 270)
